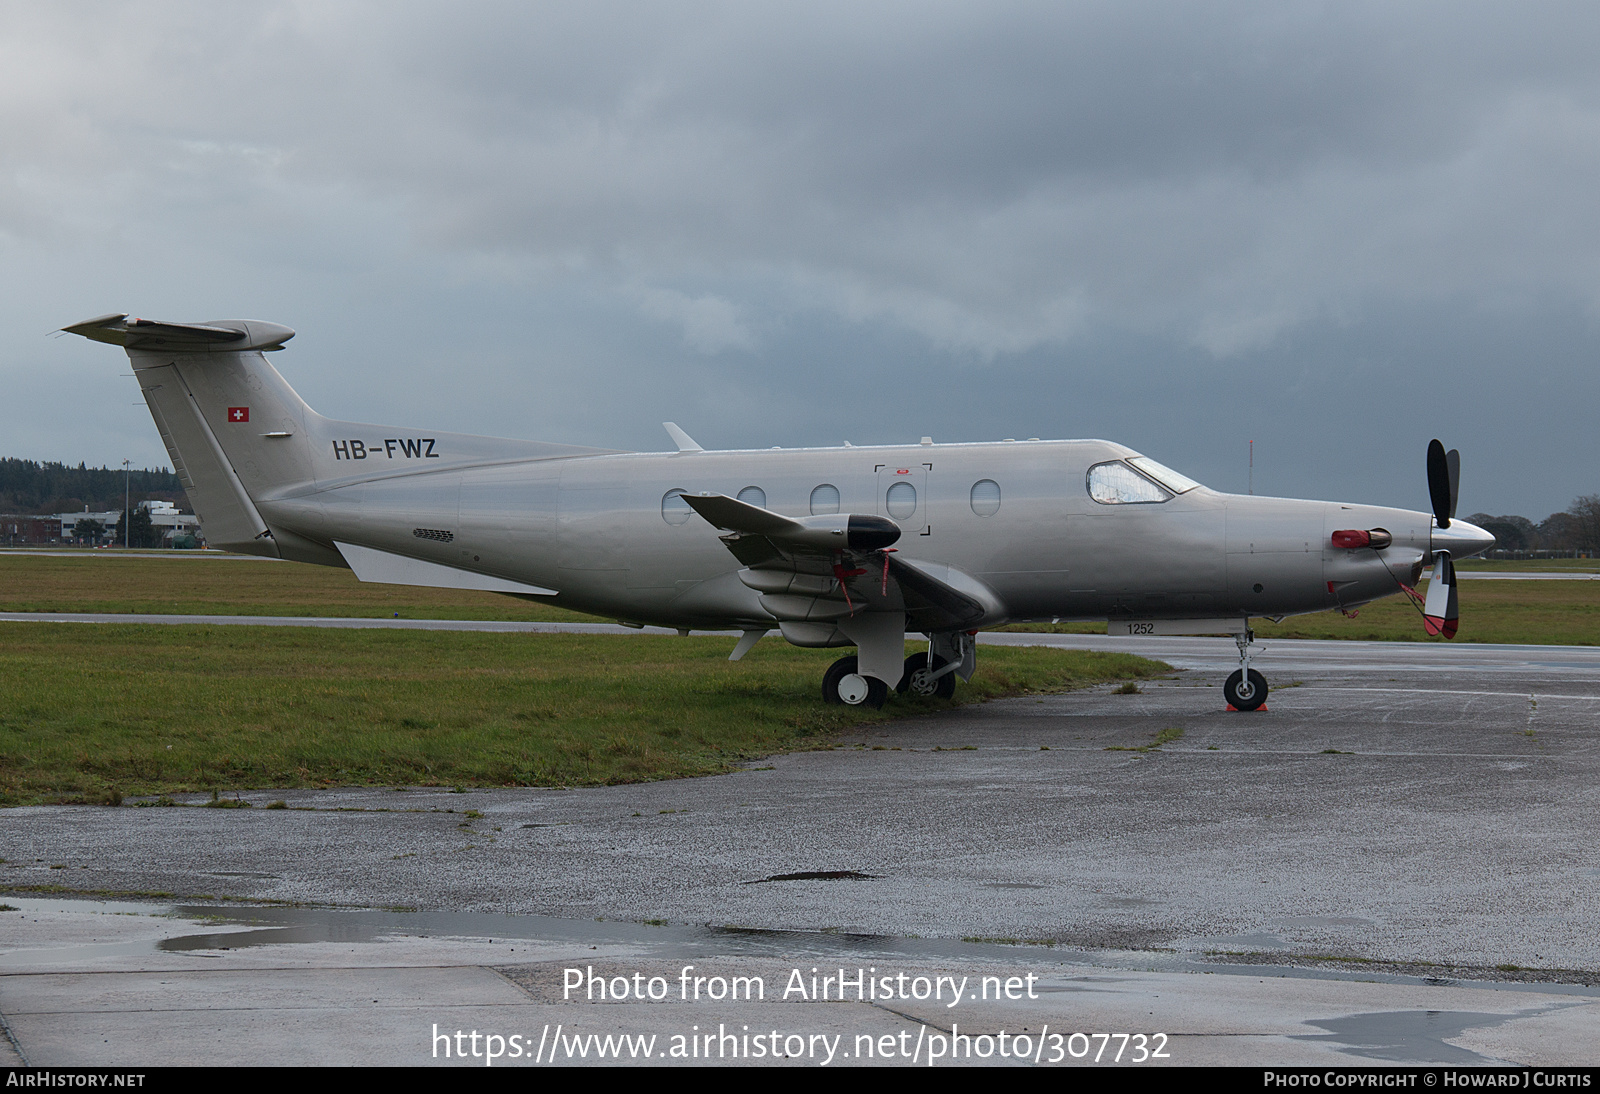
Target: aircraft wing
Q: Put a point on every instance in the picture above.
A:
(942, 598)
(821, 568)
(757, 536)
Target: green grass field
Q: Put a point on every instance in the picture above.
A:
(1563, 613)
(100, 581)
(1536, 612)
(91, 712)
(1533, 565)
(1492, 611)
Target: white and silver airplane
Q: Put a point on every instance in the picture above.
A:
(851, 546)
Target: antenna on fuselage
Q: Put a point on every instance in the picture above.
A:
(684, 442)
(1252, 467)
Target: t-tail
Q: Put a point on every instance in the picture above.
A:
(266, 474)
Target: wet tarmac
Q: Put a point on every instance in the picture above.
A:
(1393, 863)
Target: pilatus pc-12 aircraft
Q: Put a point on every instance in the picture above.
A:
(832, 546)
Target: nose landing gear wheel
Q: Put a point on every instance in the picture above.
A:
(842, 684)
(1242, 695)
(916, 682)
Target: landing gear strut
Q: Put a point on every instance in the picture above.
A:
(843, 684)
(919, 680)
(1246, 689)
(952, 655)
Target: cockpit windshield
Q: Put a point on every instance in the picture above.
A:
(1166, 476)
(1138, 480)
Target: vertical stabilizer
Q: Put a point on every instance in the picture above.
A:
(227, 515)
(233, 428)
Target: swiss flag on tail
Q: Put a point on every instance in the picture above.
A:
(238, 414)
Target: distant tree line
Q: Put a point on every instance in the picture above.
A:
(29, 487)
(1575, 529)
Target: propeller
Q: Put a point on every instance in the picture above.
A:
(1452, 459)
(1444, 481)
(1441, 612)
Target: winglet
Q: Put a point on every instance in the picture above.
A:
(684, 442)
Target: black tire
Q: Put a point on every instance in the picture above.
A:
(843, 685)
(1245, 697)
(915, 681)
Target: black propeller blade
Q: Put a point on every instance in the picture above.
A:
(1453, 459)
(1440, 613)
(1440, 482)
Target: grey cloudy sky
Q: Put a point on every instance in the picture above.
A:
(1335, 229)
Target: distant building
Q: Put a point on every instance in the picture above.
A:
(21, 529)
(108, 521)
(164, 516)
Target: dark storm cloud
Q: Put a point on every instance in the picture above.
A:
(763, 206)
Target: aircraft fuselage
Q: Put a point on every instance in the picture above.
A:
(594, 529)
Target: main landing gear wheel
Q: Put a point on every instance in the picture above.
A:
(842, 684)
(1242, 695)
(916, 682)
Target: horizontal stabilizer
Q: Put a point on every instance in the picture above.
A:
(220, 335)
(384, 568)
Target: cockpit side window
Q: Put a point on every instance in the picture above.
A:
(1116, 483)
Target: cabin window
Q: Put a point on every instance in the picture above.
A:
(674, 510)
(902, 500)
(1118, 484)
(986, 497)
(754, 495)
(824, 499)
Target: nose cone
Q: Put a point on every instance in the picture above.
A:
(1461, 539)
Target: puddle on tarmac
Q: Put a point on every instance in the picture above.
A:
(816, 875)
(246, 927)
(1407, 1036)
